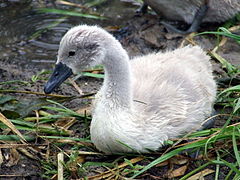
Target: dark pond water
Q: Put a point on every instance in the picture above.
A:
(20, 20)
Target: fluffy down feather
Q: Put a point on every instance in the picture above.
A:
(143, 101)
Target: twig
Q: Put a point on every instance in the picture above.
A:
(60, 166)
(43, 94)
(76, 86)
(71, 4)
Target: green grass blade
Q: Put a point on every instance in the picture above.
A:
(93, 75)
(206, 132)
(69, 13)
(223, 32)
(157, 161)
(228, 175)
(28, 126)
(60, 105)
(237, 106)
(22, 123)
(15, 138)
(62, 108)
(235, 148)
(234, 88)
(223, 134)
(217, 167)
(66, 112)
(225, 163)
(169, 155)
(236, 177)
(41, 120)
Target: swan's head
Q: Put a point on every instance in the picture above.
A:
(81, 47)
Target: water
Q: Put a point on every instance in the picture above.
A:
(20, 20)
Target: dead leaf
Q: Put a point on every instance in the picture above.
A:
(80, 159)
(73, 166)
(201, 174)
(150, 36)
(13, 158)
(164, 163)
(171, 36)
(65, 123)
(179, 160)
(112, 28)
(177, 172)
(234, 28)
(85, 110)
(54, 177)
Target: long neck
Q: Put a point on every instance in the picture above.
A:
(117, 90)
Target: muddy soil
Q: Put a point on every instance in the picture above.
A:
(139, 35)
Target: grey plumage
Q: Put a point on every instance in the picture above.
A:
(185, 10)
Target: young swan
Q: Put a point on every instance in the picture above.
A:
(142, 102)
(185, 10)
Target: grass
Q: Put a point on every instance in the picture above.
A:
(223, 32)
(69, 13)
(52, 125)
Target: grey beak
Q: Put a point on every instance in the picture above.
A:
(60, 74)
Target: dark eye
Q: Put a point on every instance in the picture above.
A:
(71, 53)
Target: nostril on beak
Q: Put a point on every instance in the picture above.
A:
(56, 73)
